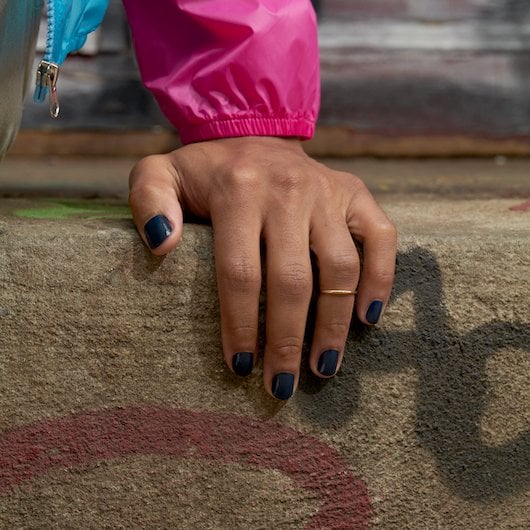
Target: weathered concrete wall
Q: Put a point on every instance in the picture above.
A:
(116, 409)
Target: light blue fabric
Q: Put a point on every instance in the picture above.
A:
(70, 23)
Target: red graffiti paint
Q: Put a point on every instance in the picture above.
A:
(93, 436)
(524, 207)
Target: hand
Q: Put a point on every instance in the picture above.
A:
(264, 188)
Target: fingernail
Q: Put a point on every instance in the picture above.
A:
(157, 229)
(327, 364)
(374, 311)
(283, 385)
(242, 363)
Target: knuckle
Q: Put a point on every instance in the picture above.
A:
(140, 191)
(241, 330)
(294, 281)
(287, 349)
(241, 273)
(143, 168)
(353, 182)
(241, 176)
(384, 278)
(337, 328)
(141, 195)
(291, 181)
(344, 267)
(145, 179)
(385, 230)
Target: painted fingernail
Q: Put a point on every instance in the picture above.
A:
(327, 364)
(242, 363)
(283, 385)
(157, 229)
(374, 311)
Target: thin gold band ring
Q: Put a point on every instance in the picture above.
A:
(337, 292)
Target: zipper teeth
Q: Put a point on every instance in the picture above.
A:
(50, 11)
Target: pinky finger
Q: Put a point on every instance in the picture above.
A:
(369, 224)
(377, 275)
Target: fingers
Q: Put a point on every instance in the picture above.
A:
(369, 224)
(154, 203)
(289, 286)
(283, 209)
(339, 267)
(238, 266)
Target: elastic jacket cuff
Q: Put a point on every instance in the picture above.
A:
(301, 128)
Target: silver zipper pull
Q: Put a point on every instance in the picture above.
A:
(47, 75)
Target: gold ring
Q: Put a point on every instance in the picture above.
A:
(337, 292)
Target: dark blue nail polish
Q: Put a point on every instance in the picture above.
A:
(374, 311)
(283, 385)
(327, 364)
(242, 363)
(157, 229)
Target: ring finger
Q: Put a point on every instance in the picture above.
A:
(339, 269)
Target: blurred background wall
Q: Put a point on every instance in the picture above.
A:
(398, 76)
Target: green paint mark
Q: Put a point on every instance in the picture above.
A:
(74, 209)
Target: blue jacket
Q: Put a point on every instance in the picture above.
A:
(69, 23)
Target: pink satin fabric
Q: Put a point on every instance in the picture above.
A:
(222, 68)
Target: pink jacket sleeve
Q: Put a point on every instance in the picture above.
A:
(222, 68)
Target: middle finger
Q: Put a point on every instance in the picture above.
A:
(289, 286)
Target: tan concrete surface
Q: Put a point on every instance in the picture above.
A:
(117, 411)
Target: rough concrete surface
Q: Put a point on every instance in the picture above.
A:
(117, 411)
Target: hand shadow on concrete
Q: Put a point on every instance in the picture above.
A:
(452, 384)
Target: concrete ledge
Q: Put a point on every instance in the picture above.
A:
(116, 408)
(92, 177)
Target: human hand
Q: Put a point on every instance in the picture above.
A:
(265, 188)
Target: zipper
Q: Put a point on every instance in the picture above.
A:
(48, 71)
(46, 83)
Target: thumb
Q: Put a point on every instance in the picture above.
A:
(154, 202)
